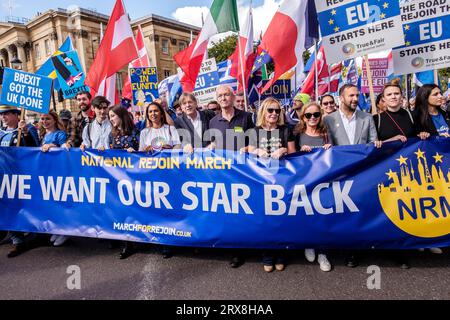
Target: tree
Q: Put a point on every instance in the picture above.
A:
(222, 49)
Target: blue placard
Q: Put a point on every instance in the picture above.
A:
(352, 28)
(144, 85)
(26, 90)
(70, 73)
(280, 90)
(345, 197)
(207, 80)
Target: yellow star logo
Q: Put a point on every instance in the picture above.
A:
(402, 160)
(254, 68)
(407, 27)
(262, 54)
(407, 43)
(382, 16)
(259, 60)
(331, 21)
(420, 154)
(391, 174)
(438, 158)
(385, 5)
(336, 29)
(333, 12)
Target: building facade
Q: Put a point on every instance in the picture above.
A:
(34, 41)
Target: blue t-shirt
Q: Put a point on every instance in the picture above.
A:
(6, 135)
(440, 124)
(58, 138)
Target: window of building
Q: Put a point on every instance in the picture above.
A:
(47, 48)
(182, 45)
(27, 54)
(37, 51)
(165, 46)
(166, 73)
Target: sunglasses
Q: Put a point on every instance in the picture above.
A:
(330, 103)
(310, 115)
(277, 111)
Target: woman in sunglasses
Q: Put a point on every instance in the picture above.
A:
(271, 138)
(311, 133)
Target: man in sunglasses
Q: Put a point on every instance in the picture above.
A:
(327, 104)
(299, 101)
(214, 106)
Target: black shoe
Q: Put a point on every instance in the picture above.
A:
(113, 244)
(351, 261)
(166, 253)
(5, 236)
(126, 252)
(236, 262)
(16, 250)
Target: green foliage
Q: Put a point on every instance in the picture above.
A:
(222, 49)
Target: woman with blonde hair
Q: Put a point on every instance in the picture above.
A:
(311, 133)
(51, 131)
(271, 138)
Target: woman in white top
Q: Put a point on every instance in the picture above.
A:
(158, 135)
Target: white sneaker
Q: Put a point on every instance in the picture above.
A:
(436, 250)
(53, 237)
(310, 255)
(60, 240)
(324, 264)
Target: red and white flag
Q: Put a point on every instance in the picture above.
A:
(248, 55)
(142, 61)
(116, 50)
(328, 79)
(284, 39)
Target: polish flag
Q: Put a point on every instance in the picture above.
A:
(248, 55)
(284, 39)
(116, 50)
(142, 61)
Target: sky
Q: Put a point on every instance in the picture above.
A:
(188, 11)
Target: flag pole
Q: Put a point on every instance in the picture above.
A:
(242, 64)
(436, 77)
(316, 71)
(242, 72)
(369, 77)
(19, 135)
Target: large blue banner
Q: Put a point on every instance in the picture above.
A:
(346, 197)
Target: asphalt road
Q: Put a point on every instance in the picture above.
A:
(41, 273)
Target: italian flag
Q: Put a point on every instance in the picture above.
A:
(222, 17)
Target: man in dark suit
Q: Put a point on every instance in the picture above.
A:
(192, 124)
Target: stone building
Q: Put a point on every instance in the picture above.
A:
(34, 41)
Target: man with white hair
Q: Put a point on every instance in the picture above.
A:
(231, 123)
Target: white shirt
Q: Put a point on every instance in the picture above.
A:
(197, 124)
(349, 126)
(166, 135)
(98, 136)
